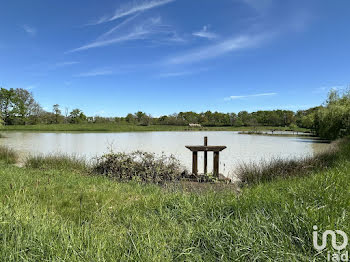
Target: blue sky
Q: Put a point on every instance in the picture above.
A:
(110, 58)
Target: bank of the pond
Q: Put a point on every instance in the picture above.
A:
(281, 133)
(62, 214)
(91, 127)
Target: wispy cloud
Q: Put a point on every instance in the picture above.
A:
(218, 49)
(66, 63)
(114, 70)
(247, 96)
(181, 73)
(174, 74)
(118, 26)
(147, 29)
(133, 8)
(29, 30)
(97, 72)
(205, 33)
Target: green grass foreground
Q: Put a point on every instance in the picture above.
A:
(110, 127)
(61, 214)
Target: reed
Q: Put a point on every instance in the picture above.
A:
(56, 161)
(8, 155)
(277, 168)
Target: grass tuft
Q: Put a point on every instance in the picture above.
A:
(56, 162)
(8, 155)
(266, 171)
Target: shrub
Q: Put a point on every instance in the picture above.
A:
(333, 120)
(139, 166)
(56, 162)
(8, 155)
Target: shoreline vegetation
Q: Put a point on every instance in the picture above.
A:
(110, 127)
(277, 132)
(266, 171)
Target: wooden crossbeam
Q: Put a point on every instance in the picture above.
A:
(206, 148)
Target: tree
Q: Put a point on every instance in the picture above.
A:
(7, 105)
(233, 119)
(145, 120)
(23, 103)
(35, 116)
(77, 116)
(130, 118)
(253, 123)
(244, 117)
(56, 110)
(333, 120)
(293, 127)
(139, 115)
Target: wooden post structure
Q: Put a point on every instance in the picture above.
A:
(216, 164)
(205, 156)
(195, 162)
(215, 149)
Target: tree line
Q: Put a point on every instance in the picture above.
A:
(18, 107)
(331, 120)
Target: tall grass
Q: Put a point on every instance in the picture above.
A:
(269, 170)
(8, 155)
(57, 161)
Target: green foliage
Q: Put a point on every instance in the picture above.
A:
(139, 166)
(124, 127)
(57, 112)
(333, 120)
(7, 98)
(77, 116)
(243, 118)
(16, 105)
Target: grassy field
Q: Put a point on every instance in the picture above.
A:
(56, 213)
(129, 128)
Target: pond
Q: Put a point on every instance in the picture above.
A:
(240, 147)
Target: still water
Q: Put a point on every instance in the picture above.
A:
(240, 147)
